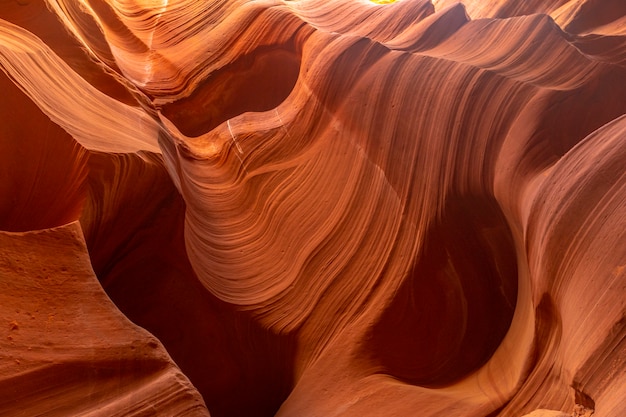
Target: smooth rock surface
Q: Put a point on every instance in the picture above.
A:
(319, 208)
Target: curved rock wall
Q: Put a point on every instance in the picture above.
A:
(318, 208)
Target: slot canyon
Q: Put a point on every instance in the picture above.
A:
(313, 208)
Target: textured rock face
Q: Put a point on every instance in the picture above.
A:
(66, 349)
(313, 208)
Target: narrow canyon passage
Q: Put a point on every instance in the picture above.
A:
(303, 208)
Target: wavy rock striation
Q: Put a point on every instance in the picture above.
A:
(318, 208)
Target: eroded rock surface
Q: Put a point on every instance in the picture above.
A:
(317, 208)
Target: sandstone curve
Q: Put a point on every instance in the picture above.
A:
(337, 208)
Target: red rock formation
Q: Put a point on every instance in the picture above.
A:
(317, 207)
(66, 349)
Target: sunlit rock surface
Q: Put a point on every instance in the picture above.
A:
(313, 208)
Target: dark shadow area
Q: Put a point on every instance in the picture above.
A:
(134, 230)
(456, 306)
(593, 14)
(255, 82)
(570, 116)
(43, 170)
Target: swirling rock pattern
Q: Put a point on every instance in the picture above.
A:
(313, 208)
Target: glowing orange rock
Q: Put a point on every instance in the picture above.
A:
(317, 207)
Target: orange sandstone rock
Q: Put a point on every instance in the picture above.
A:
(319, 208)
